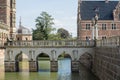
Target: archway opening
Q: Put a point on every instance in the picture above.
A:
(22, 63)
(64, 63)
(43, 62)
(86, 60)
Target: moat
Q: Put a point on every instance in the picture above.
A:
(64, 72)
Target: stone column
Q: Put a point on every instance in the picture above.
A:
(54, 66)
(93, 36)
(75, 66)
(10, 66)
(96, 31)
(33, 66)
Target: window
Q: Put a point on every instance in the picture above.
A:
(104, 37)
(87, 26)
(113, 26)
(119, 16)
(103, 26)
(18, 39)
(26, 38)
(11, 3)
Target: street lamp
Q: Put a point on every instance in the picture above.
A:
(94, 28)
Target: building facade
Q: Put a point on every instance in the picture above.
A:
(8, 16)
(23, 33)
(108, 23)
(4, 31)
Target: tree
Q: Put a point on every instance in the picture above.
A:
(64, 34)
(44, 28)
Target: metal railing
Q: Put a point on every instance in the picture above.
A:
(52, 43)
(111, 42)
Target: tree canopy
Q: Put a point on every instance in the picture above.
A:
(44, 29)
(44, 24)
(64, 34)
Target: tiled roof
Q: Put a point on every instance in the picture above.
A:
(105, 10)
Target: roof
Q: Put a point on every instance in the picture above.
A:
(105, 10)
(21, 28)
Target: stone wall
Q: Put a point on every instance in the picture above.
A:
(107, 63)
(54, 66)
(75, 66)
(33, 66)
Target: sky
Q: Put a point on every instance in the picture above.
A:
(64, 13)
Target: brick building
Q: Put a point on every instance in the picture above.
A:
(7, 18)
(108, 23)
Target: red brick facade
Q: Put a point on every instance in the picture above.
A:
(106, 28)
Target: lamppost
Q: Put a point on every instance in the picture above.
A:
(95, 28)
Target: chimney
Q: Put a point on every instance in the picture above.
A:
(106, 1)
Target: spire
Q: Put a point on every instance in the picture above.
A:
(20, 22)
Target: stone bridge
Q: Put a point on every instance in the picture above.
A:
(32, 49)
(104, 57)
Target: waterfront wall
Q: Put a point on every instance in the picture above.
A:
(106, 63)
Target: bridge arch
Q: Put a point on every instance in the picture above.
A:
(43, 62)
(42, 54)
(21, 62)
(64, 54)
(86, 59)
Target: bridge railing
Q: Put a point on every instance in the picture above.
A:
(112, 41)
(53, 43)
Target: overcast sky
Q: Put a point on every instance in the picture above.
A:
(64, 13)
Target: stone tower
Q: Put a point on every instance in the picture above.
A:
(7, 15)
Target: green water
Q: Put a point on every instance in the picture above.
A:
(64, 73)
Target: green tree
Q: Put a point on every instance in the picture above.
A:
(64, 34)
(44, 24)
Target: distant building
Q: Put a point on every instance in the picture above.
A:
(108, 22)
(23, 33)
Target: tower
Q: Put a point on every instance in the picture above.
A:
(12, 19)
(7, 15)
(5, 11)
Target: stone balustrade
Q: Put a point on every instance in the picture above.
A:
(109, 42)
(52, 43)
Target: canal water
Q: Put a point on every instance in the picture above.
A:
(64, 73)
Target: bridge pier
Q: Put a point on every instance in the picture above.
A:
(10, 66)
(75, 66)
(54, 66)
(33, 66)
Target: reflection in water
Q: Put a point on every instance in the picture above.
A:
(44, 66)
(24, 66)
(2, 73)
(64, 73)
(64, 69)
